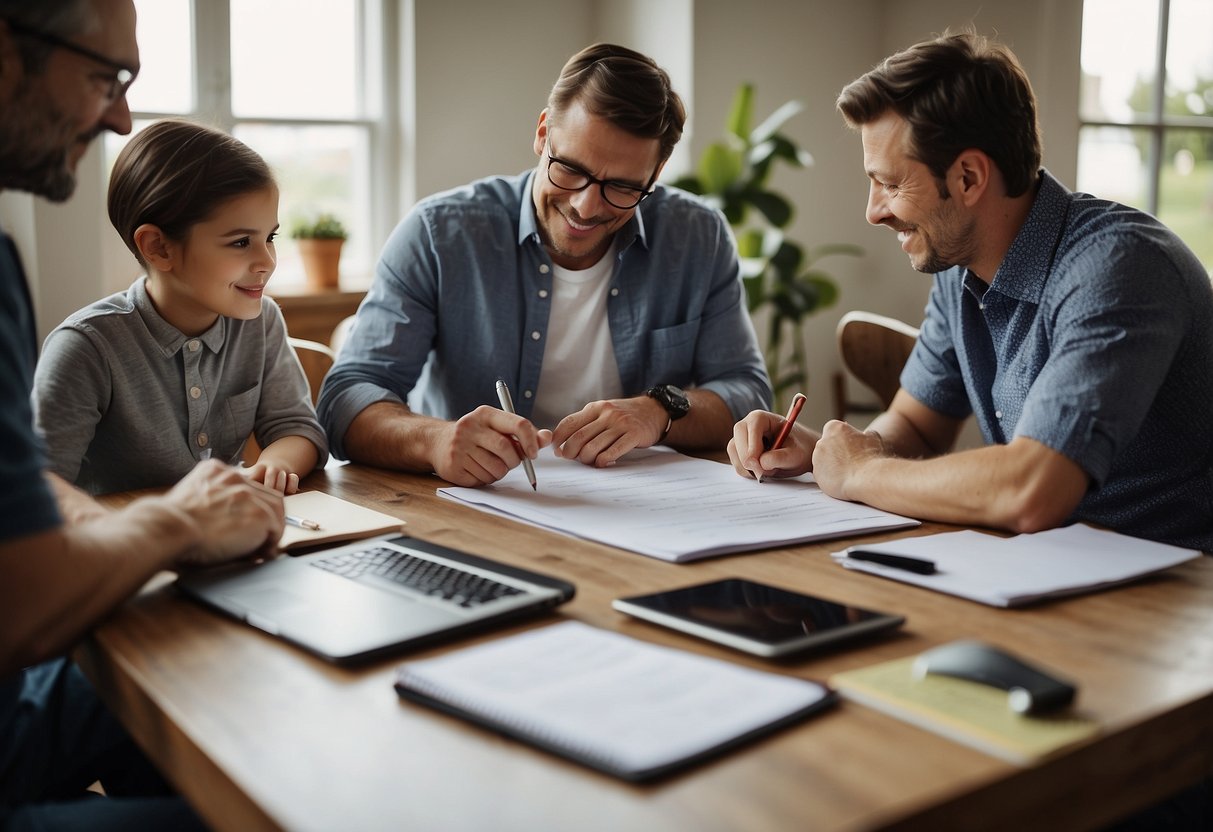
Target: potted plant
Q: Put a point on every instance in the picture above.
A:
(779, 274)
(320, 240)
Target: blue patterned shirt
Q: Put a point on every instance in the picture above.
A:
(462, 294)
(1095, 338)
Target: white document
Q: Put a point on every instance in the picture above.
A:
(611, 701)
(666, 505)
(1007, 572)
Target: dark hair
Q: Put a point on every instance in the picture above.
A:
(64, 18)
(956, 92)
(175, 174)
(626, 88)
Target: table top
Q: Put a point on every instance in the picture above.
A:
(260, 735)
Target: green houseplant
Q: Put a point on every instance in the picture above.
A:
(780, 275)
(319, 240)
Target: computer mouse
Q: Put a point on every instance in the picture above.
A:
(1031, 689)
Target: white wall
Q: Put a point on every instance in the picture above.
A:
(482, 69)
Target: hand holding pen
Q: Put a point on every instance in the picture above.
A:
(788, 423)
(507, 404)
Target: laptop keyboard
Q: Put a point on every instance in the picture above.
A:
(466, 589)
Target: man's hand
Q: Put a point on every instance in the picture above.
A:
(840, 455)
(601, 432)
(231, 515)
(483, 446)
(753, 434)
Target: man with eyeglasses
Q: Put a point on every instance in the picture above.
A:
(66, 562)
(611, 305)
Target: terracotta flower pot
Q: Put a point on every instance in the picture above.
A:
(321, 261)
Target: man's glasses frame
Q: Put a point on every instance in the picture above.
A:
(578, 173)
(124, 76)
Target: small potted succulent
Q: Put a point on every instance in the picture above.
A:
(320, 239)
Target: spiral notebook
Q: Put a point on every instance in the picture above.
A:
(623, 706)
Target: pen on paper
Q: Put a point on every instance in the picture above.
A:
(302, 522)
(793, 415)
(507, 404)
(920, 566)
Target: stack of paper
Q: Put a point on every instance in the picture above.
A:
(660, 503)
(625, 707)
(1007, 572)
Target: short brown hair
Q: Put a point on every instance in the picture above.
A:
(626, 88)
(956, 92)
(174, 174)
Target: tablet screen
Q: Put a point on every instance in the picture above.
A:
(753, 612)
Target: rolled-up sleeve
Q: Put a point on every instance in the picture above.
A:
(383, 356)
(285, 406)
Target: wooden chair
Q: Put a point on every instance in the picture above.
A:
(316, 359)
(340, 333)
(874, 349)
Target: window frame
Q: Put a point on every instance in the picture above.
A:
(1157, 123)
(377, 79)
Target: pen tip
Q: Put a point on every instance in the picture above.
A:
(534, 486)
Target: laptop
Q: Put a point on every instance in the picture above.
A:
(366, 599)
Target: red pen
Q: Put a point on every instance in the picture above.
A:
(793, 415)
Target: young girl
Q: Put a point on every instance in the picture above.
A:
(133, 390)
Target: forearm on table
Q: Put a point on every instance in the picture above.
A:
(1024, 486)
(60, 583)
(391, 435)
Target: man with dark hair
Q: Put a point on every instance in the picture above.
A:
(596, 293)
(66, 562)
(1078, 331)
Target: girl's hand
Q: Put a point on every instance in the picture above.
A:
(273, 476)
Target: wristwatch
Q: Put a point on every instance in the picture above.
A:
(674, 401)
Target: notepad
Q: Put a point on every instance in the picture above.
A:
(339, 520)
(974, 714)
(623, 706)
(1012, 571)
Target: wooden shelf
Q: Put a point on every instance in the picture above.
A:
(312, 313)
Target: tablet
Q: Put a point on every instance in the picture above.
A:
(756, 618)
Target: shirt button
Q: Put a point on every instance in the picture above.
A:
(535, 336)
(195, 392)
(982, 307)
(543, 293)
(193, 346)
(997, 414)
(202, 440)
(614, 292)
(543, 268)
(526, 394)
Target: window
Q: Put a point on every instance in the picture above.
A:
(1146, 112)
(302, 82)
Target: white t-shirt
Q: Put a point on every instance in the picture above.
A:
(578, 357)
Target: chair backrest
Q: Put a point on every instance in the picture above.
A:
(340, 333)
(874, 349)
(316, 359)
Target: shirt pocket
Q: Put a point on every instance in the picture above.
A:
(671, 355)
(239, 419)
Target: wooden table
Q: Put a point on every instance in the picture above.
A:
(259, 735)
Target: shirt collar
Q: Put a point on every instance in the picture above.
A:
(1025, 269)
(528, 224)
(168, 338)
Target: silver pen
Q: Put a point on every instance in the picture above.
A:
(303, 523)
(507, 404)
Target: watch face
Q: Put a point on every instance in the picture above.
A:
(672, 399)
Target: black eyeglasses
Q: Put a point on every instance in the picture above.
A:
(568, 177)
(123, 77)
